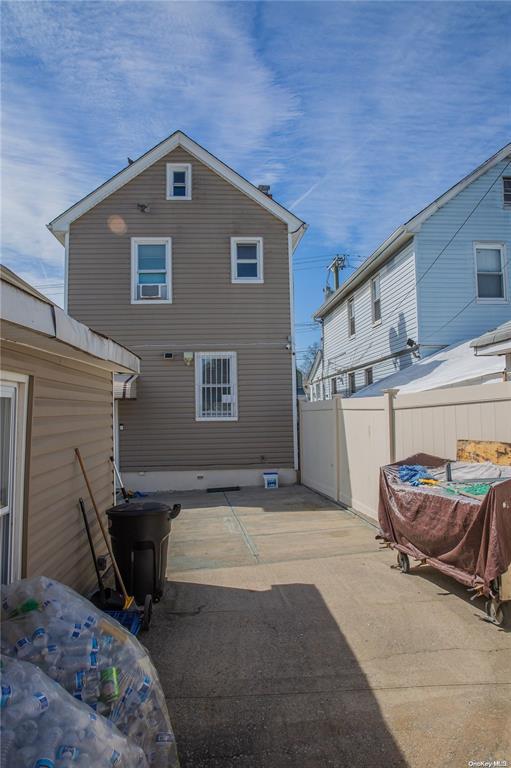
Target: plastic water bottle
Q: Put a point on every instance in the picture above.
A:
(39, 638)
(7, 737)
(26, 733)
(23, 647)
(27, 708)
(67, 756)
(48, 748)
(27, 756)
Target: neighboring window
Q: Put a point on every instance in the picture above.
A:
(12, 451)
(368, 376)
(351, 317)
(351, 383)
(216, 386)
(375, 299)
(179, 181)
(246, 259)
(151, 270)
(490, 271)
(333, 386)
(506, 191)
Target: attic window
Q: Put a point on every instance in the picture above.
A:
(179, 181)
(506, 191)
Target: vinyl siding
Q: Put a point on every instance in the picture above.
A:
(371, 342)
(208, 314)
(450, 284)
(70, 406)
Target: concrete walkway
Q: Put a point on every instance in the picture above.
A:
(287, 640)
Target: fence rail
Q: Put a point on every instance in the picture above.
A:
(344, 442)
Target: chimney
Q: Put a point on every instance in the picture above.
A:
(265, 188)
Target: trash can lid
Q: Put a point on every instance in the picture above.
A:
(138, 509)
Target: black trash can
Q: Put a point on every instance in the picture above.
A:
(140, 535)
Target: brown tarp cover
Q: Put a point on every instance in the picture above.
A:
(465, 538)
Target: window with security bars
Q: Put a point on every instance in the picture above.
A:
(216, 386)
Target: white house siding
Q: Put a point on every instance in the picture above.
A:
(450, 284)
(343, 353)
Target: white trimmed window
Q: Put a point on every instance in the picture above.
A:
(506, 191)
(351, 317)
(13, 415)
(151, 274)
(247, 260)
(352, 388)
(179, 181)
(216, 386)
(490, 269)
(376, 299)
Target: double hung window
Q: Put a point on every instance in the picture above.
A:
(179, 181)
(151, 278)
(247, 260)
(490, 270)
(376, 299)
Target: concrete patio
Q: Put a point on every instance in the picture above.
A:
(286, 640)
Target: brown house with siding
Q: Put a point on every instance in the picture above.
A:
(189, 265)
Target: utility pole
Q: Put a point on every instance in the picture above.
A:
(338, 263)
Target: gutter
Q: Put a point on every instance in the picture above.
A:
(23, 309)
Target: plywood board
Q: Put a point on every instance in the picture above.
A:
(484, 450)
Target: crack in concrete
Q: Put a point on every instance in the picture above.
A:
(244, 533)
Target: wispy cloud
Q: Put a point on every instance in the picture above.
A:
(357, 113)
(106, 80)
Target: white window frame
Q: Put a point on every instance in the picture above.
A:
(135, 242)
(187, 168)
(199, 357)
(492, 245)
(258, 242)
(20, 383)
(351, 317)
(352, 382)
(368, 372)
(506, 205)
(375, 280)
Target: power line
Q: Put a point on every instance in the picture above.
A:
(416, 283)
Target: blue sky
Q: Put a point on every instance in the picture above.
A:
(358, 114)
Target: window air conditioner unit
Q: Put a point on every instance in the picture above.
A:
(152, 290)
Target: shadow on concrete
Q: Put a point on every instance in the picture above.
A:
(264, 679)
(450, 586)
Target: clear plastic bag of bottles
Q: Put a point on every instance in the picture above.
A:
(42, 726)
(93, 657)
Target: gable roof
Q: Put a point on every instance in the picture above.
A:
(60, 225)
(313, 368)
(406, 231)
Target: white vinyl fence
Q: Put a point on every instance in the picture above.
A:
(345, 441)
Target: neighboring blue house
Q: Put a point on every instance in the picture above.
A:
(441, 277)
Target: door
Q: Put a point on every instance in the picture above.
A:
(12, 460)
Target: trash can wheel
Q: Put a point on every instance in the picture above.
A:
(494, 611)
(404, 562)
(148, 612)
